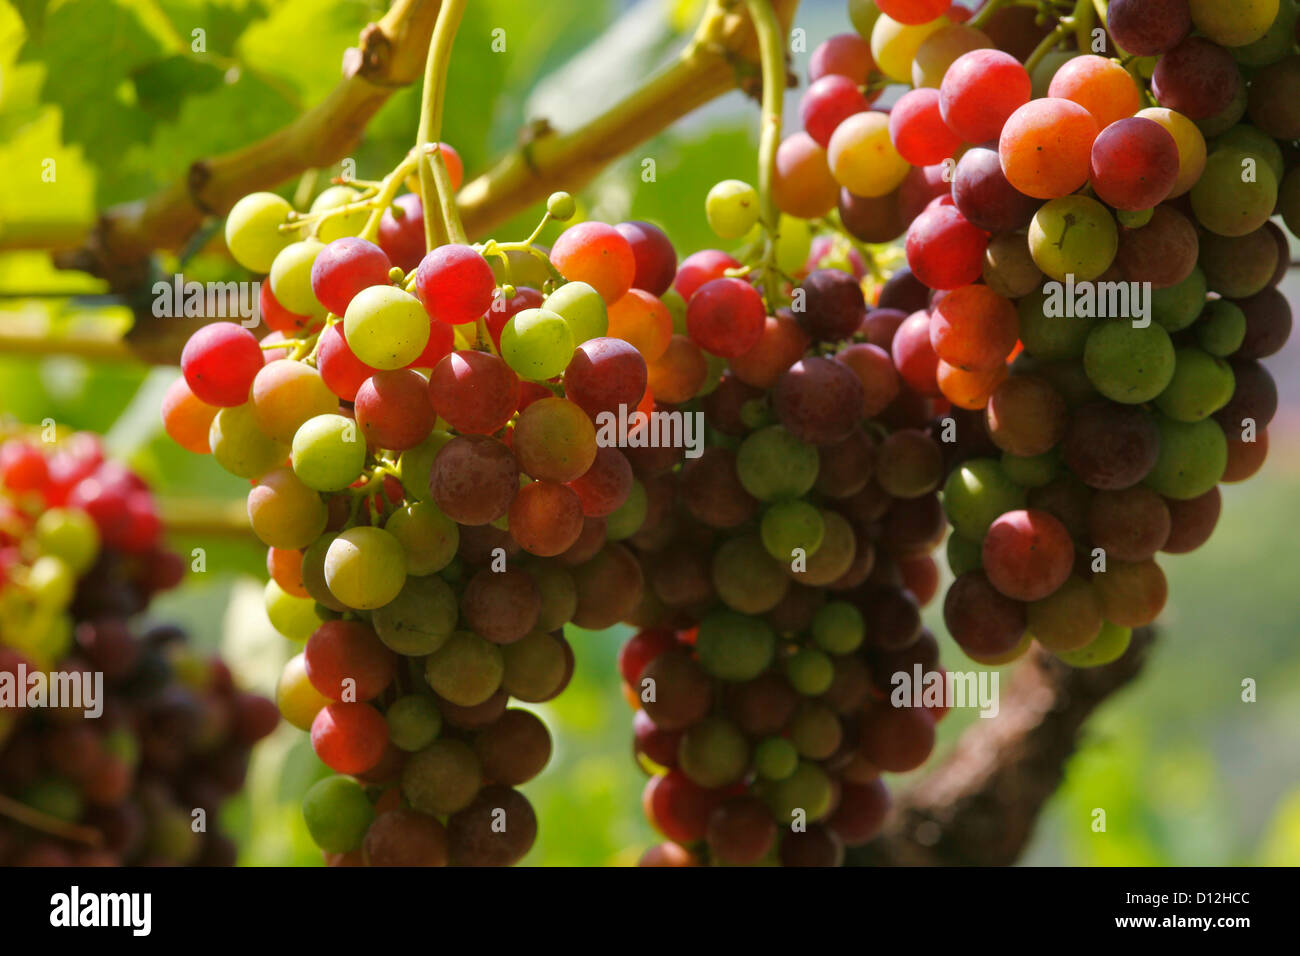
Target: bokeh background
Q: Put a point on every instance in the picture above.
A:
(111, 93)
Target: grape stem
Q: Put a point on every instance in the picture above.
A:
(22, 813)
(1079, 21)
(772, 61)
(441, 224)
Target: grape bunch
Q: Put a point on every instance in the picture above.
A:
(80, 556)
(1090, 283)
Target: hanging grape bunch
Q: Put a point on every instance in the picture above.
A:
(133, 772)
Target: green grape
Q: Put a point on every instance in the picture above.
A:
(1034, 471)
(976, 493)
(239, 446)
(815, 730)
(293, 617)
(731, 208)
(413, 722)
(50, 582)
(1221, 328)
(1176, 307)
(627, 519)
(420, 619)
(713, 753)
(442, 778)
(534, 666)
(1073, 235)
(863, 15)
(1235, 194)
(1202, 384)
(291, 277)
(838, 627)
(1129, 364)
(385, 327)
(415, 465)
(746, 577)
(313, 573)
(1050, 337)
(253, 230)
(69, 534)
(1254, 142)
(1107, 646)
(808, 789)
(788, 525)
(343, 224)
(794, 243)
(732, 646)
(561, 206)
(337, 813)
(537, 344)
(365, 568)
(1235, 23)
(581, 306)
(773, 464)
(775, 758)
(963, 554)
(1134, 218)
(428, 537)
(1276, 41)
(466, 670)
(677, 309)
(809, 671)
(297, 699)
(284, 512)
(1191, 460)
(328, 452)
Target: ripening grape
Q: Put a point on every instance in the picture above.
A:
(385, 327)
(973, 328)
(1073, 235)
(343, 268)
(827, 103)
(725, 316)
(982, 620)
(285, 394)
(1101, 86)
(345, 660)
(582, 308)
(291, 277)
(862, 158)
(1190, 143)
(944, 250)
(918, 131)
(656, 259)
(597, 254)
(1134, 163)
(186, 419)
(1148, 27)
(284, 512)
(1197, 78)
(219, 362)
(474, 478)
(555, 440)
(1046, 146)
(349, 738)
(1233, 24)
(299, 702)
(1235, 194)
(802, 186)
(980, 91)
(982, 194)
(643, 320)
(240, 447)
(442, 778)
(976, 493)
(365, 567)
(252, 230)
(466, 669)
(1027, 554)
(894, 44)
(420, 619)
(938, 51)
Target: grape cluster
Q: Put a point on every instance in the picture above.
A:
(1040, 202)
(80, 556)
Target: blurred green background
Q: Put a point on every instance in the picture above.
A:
(111, 93)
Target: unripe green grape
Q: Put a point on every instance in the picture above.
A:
(838, 628)
(808, 789)
(1221, 328)
(328, 452)
(429, 537)
(1129, 364)
(1050, 337)
(386, 327)
(253, 233)
(963, 554)
(69, 534)
(413, 722)
(788, 525)
(337, 813)
(582, 308)
(746, 577)
(809, 671)
(293, 617)
(627, 519)
(1034, 471)
(1202, 384)
(713, 753)
(291, 277)
(794, 243)
(343, 224)
(415, 465)
(976, 493)
(1176, 307)
(1191, 460)
(1107, 646)
(1276, 41)
(1236, 23)
(420, 619)
(561, 206)
(466, 670)
(731, 208)
(1254, 142)
(1134, 218)
(442, 778)
(51, 582)
(240, 447)
(732, 646)
(537, 344)
(815, 730)
(772, 464)
(1235, 194)
(775, 758)
(1073, 235)
(365, 568)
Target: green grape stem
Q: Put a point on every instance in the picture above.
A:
(772, 61)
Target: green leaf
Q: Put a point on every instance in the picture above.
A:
(161, 87)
